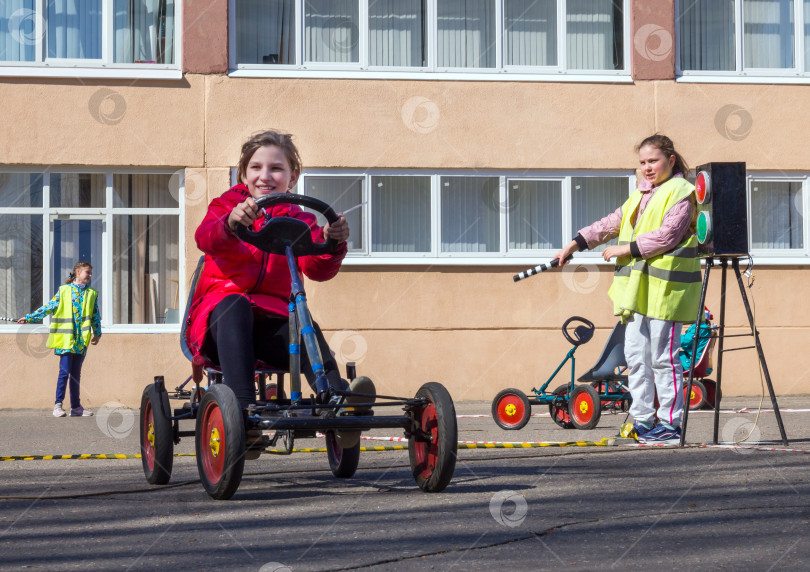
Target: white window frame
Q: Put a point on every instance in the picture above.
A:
(106, 213)
(502, 257)
(780, 255)
(740, 74)
(105, 67)
(500, 72)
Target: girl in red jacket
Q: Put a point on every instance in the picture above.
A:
(239, 311)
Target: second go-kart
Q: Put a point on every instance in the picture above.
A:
(570, 405)
(602, 388)
(221, 427)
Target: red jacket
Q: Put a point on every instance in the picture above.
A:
(235, 267)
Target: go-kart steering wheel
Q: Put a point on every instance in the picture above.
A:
(282, 231)
(583, 332)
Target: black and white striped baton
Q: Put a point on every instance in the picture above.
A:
(538, 269)
(4, 319)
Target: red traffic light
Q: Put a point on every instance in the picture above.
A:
(703, 187)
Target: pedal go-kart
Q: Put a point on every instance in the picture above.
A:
(428, 419)
(570, 405)
(603, 387)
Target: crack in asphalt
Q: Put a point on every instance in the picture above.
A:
(548, 531)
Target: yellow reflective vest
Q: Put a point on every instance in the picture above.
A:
(61, 335)
(666, 286)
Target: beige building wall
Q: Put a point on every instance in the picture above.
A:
(469, 327)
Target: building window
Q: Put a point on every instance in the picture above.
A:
(593, 198)
(777, 215)
(425, 36)
(342, 193)
(744, 37)
(535, 216)
(469, 220)
(453, 215)
(127, 225)
(67, 34)
(397, 34)
(400, 214)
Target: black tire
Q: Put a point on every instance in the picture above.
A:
(699, 398)
(157, 439)
(559, 408)
(585, 407)
(342, 462)
(711, 391)
(511, 409)
(433, 460)
(220, 442)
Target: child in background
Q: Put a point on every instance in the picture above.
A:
(75, 314)
(656, 285)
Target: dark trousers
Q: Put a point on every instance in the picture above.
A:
(237, 338)
(70, 372)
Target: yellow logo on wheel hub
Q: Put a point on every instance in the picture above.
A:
(150, 435)
(213, 442)
(511, 409)
(583, 406)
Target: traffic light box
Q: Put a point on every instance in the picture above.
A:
(722, 203)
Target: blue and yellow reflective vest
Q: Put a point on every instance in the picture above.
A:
(61, 335)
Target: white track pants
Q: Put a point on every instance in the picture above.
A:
(651, 349)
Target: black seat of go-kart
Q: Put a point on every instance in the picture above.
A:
(612, 357)
(260, 366)
(184, 324)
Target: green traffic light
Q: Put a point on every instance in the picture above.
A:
(704, 227)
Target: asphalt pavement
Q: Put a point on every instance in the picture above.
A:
(579, 507)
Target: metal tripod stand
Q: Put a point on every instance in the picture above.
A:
(735, 263)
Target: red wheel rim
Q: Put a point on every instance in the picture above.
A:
(212, 443)
(510, 410)
(149, 436)
(695, 397)
(583, 408)
(427, 452)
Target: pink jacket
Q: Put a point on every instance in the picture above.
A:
(672, 231)
(235, 267)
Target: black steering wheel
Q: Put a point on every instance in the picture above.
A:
(583, 332)
(282, 231)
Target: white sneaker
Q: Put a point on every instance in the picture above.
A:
(80, 412)
(58, 411)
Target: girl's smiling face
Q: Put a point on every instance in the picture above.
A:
(269, 171)
(655, 166)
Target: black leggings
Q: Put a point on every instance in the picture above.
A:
(237, 337)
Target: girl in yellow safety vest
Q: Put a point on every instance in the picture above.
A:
(75, 315)
(656, 284)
